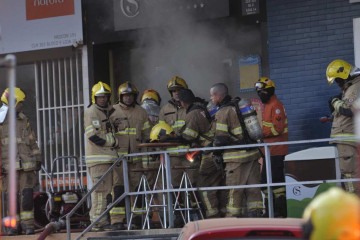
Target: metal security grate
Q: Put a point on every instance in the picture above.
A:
(59, 104)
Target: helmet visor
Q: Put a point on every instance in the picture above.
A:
(151, 107)
(259, 86)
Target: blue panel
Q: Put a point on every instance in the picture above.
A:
(304, 36)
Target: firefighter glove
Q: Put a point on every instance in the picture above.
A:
(331, 99)
(336, 103)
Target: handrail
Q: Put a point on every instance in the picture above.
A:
(68, 231)
(169, 190)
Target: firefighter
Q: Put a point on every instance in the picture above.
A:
(334, 214)
(173, 114)
(347, 78)
(28, 160)
(275, 129)
(150, 101)
(241, 165)
(198, 130)
(132, 128)
(100, 152)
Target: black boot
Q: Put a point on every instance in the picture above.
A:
(255, 213)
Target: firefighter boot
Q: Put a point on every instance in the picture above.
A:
(12, 231)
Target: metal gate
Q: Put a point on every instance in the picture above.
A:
(60, 105)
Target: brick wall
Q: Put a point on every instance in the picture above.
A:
(304, 36)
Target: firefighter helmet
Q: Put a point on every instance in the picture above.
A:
(159, 130)
(338, 69)
(333, 214)
(263, 83)
(152, 95)
(100, 89)
(19, 96)
(128, 88)
(176, 82)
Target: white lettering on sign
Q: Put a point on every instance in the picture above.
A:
(130, 8)
(47, 2)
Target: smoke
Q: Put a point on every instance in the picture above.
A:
(202, 52)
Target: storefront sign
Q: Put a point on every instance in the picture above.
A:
(39, 24)
(38, 9)
(133, 14)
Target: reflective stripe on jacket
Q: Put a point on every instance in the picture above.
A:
(174, 116)
(343, 126)
(99, 136)
(228, 125)
(132, 128)
(197, 128)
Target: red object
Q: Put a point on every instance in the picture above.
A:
(326, 119)
(234, 228)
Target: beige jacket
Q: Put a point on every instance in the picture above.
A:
(132, 128)
(174, 115)
(28, 155)
(100, 140)
(228, 125)
(343, 126)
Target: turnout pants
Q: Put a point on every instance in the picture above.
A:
(25, 185)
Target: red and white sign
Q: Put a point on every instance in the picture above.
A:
(38, 9)
(27, 25)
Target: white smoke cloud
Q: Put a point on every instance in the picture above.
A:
(200, 52)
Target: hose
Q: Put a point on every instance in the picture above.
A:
(51, 228)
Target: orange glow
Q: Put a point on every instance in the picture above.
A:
(190, 156)
(10, 222)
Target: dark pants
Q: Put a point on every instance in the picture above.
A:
(279, 194)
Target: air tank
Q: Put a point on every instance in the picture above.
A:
(252, 124)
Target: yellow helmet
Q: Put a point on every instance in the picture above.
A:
(338, 69)
(263, 83)
(334, 214)
(176, 83)
(100, 89)
(159, 130)
(152, 95)
(19, 96)
(128, 88)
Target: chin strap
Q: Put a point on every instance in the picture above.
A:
(3, 112)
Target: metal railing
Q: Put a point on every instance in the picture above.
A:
(169, 190)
